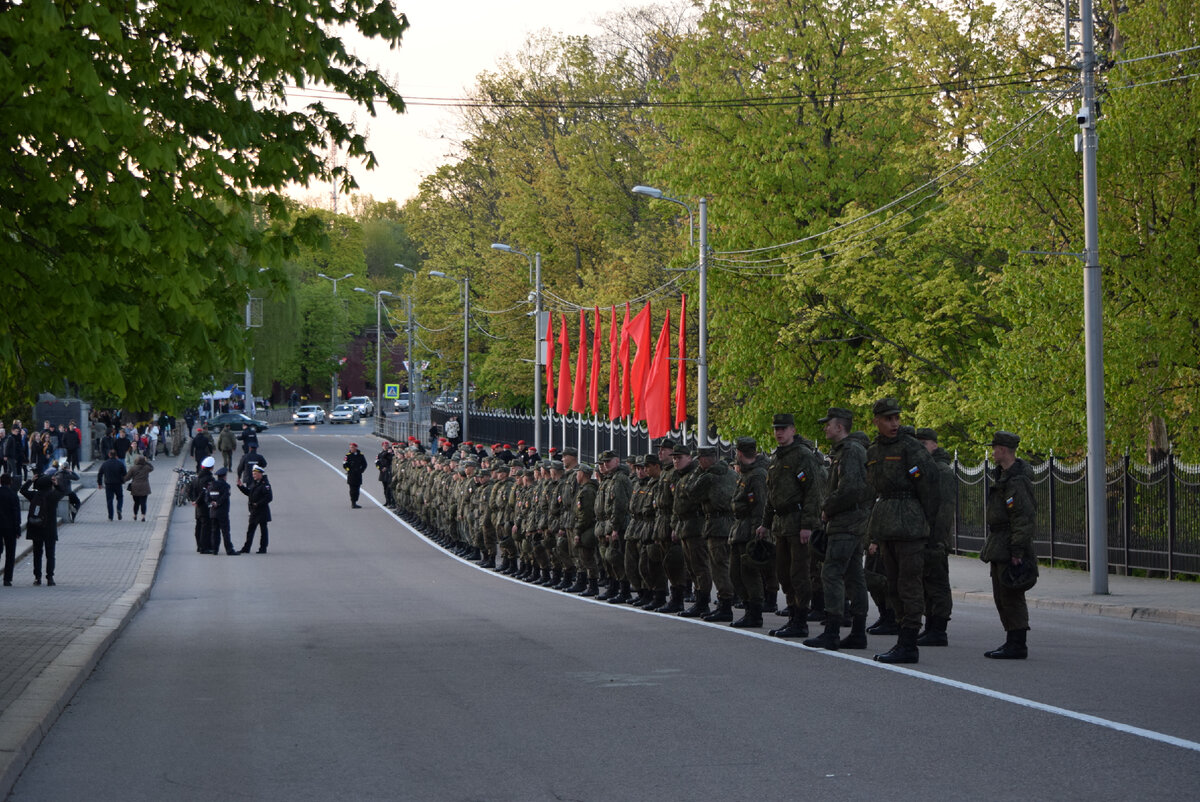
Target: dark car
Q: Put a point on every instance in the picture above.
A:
(236, 421)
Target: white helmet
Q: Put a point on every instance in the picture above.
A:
(208, 462)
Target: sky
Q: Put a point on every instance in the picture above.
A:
(447, 44)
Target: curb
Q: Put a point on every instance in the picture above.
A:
(1156, 615)
(29, 718)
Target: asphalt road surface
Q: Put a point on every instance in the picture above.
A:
(358, 661)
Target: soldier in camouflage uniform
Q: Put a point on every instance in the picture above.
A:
(669, 551)
(792, 512)
(749, 499)
(1008, 547)
(720, 482)
(687, 525)
(562, 540)
(612, 519)
(641, 510)
(502, 518)
(585, 536)
(938, 602)
(904, 481)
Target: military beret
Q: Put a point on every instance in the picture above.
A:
(556, 465)
(651, 459)
(553, 449)
(885, 407)
(840, 414)
(783, 419)
(570, 451)
(747, 445)
(605, 456)
(706, 451)
(520, 442)
(664, 442)
(926, 433)
(1006, 439)
(682, 450)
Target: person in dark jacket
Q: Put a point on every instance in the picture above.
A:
(249, 437)
(383, 461)
(1012, 522)
(71, 441)
(139, 485)
(247, 462)
(218, 513)
(354, 464)
(111, 476)
(259, 496)
(202, 446)
(198, 495)
(41, 526)
(10, 525)
(122, 444)
(63, 478)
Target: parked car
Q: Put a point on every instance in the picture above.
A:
(401, 404)
(236, 421)
(310, 413)
(364, 404)
(448, 400)
(345, 413)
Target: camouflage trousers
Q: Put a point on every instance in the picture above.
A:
(842, 575)
(905, 564)
(718, 564)
(938, 601)
(695, 554)
(1014, 613)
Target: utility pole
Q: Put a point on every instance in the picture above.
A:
(702, 361)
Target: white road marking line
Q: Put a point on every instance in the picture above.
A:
(1128, 729)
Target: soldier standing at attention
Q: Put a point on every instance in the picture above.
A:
(354, 464)
(1011, 520)
(670, 552)
(612, 519)
(845, 511)
(720, 484)
(904, 481)
(791, 513)
(585, 532)
(938, 601)
(687, 526)
(383, 461)
(749, 498)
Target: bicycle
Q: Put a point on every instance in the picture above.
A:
(183, 485)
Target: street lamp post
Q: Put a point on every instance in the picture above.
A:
(466, 379)
(378, 345)
(702, 358)
(413, 394)
(333, 382)
(535, 265)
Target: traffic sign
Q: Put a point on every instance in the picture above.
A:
(391, 391)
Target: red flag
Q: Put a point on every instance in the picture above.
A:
(579, 397)
(594, 388)
(549, 359)
(563, 405)
(681, 369)
(639, 332)
(658, 384)
(614, 367)
(625, 364)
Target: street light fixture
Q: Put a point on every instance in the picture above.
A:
(378, 345)
(535, 267)
(702, 358)
(333, 382)
(466, 379)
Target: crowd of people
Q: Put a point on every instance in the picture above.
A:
(873, 517)
(210, 492)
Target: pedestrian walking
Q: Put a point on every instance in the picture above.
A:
(1008, 547)
(138, 478)
(72, 441)
(10, 524)
(41, 526)
(111, 477)
(202, 446)
(249, 437)
(226, 443)
(63, 477)
(354, 464)
(259, 498)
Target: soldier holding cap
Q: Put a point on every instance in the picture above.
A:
(1008, 548)
(938, 602)
(904, 480)
(749, 499)
(844, 510)
(792, 512)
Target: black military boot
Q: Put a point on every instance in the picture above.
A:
(592, 589)
(857, 639)
(674, 604)
(935, 632)
(723, 613)
(886, 625)
(818, 606)
(698, 608)
(829, 638)
(796, 627)
(738, 603)
(580, 584)
(644, 597)
(505, 566)
(770, 604)
(657, 599)
(1014, 647)
(752, 618)
(905, 650)
(530, 573)
(612, 588)
(623, 594)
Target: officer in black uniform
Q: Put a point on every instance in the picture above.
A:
(218, 513)
(354, 464)
(383, 461)
(260, 497)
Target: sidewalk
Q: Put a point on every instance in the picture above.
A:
(52, 638)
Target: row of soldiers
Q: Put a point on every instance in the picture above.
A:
(673, 526)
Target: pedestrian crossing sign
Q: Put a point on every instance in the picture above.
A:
(391, 391)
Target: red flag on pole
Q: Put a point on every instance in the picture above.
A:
(639, 332)
(614, 369)
(625, 364)
(563, 404)
(579, 396)
(658, 384)
(681, 369)
(549, 359)
(594, 390)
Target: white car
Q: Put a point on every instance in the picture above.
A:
(401, 403)
(364, 405)
(310, 413)
(345, 413)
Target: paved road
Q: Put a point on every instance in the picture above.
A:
(357, 661)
